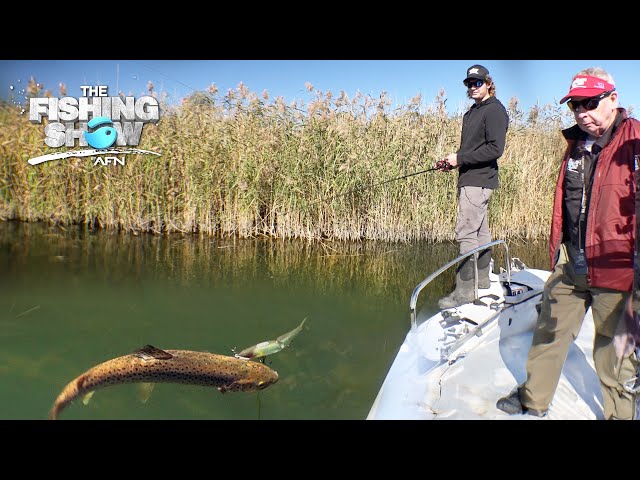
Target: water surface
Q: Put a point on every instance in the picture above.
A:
(72, 298)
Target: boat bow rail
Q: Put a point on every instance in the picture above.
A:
(507, 271)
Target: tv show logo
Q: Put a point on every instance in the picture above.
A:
(115, 121)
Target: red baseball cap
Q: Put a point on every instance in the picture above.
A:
(587, 86)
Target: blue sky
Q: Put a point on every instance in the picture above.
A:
(533, 81)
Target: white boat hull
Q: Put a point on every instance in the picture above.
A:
(437, 375)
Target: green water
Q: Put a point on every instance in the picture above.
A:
(70, 299)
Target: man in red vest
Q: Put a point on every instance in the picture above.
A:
(592, 250)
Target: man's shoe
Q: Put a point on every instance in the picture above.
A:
(536, 413)
(484, 281)
(464, 291)
(484, 268)
(511, 404)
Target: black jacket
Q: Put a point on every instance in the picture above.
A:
(484, 131)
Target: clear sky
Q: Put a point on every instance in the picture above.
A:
(543, 82)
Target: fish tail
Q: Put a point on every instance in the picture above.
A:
(70, 393)
(55, 410)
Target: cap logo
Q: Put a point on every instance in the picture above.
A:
(472, 70)
(579, 83)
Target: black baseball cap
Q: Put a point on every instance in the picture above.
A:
(476, 72)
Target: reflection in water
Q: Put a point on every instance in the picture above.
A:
(73, 298)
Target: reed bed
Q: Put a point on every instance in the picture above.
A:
(243, 165)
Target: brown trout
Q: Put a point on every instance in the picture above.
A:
(153, 365)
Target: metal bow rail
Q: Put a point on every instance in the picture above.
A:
(474, 252)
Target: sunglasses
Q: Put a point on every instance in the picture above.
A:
(473, 83)
(588, 103)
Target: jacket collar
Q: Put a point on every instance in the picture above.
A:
(574, 133)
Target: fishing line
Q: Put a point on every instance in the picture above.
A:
(441, 165)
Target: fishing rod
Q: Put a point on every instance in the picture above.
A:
(441, 165)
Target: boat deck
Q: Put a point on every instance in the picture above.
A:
(420, 385)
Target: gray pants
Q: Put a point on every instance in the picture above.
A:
(472, 228)
(564, 304)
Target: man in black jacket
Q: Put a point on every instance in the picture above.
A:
(484, 131)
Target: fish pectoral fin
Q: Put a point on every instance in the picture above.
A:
(149, 351)
(233, 385)
(144, 391)
(87, 397)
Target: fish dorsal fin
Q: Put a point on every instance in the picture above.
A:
(86, 398)
(144, 391)
(149, 351)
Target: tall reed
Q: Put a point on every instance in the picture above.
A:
(245, 165)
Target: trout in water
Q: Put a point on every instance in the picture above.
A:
(270, 347)
(153, 365)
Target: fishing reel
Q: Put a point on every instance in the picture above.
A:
(443, 166)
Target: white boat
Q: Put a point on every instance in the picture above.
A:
(457, 363)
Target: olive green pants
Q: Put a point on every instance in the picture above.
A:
(565, 301)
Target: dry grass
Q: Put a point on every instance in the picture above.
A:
(243, 165)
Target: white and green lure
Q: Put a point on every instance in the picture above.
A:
(270, 347)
